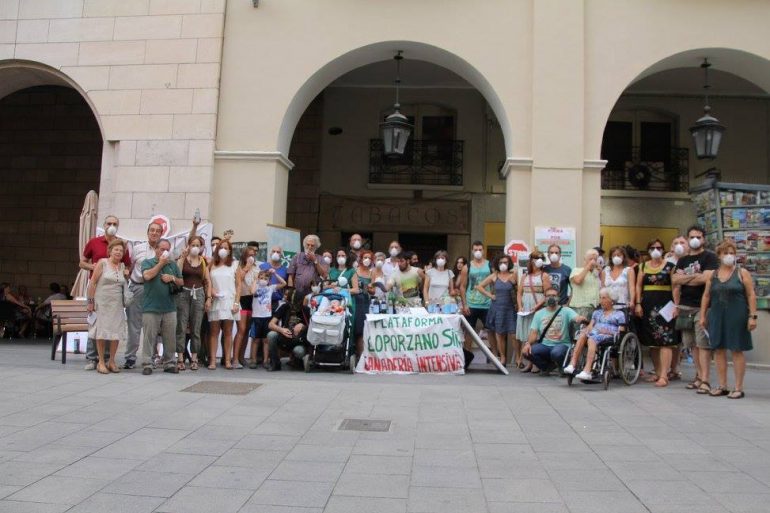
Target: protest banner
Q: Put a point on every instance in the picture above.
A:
(412, 344)
(287, 238)
(564, 237)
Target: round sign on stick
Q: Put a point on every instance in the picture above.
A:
(164, 223)
(516, 249)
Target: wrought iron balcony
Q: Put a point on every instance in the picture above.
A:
(423, 163)
(668, 174)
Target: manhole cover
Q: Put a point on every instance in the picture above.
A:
(222, 387)
(365, 425)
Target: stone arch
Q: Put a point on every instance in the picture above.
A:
(383, 51)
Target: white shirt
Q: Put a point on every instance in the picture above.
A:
(140, 252)
(261, 305)
(389, 267)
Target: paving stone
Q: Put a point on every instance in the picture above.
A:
(230, 477)
(366, 464)
(423, 499)
(290, 493)
(520, 489)
(102, 502)
(445, 477)
(342, 504)
(177, 463)
(59, 490)
(192, 499)
(151, 484)
(7, 506)
(98, 468)
(315, 453)
(320, 471)
(372, 485)
(258, 460)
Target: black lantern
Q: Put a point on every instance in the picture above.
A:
(707, 131)
(396, 128)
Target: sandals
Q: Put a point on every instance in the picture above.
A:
(113, 367)
(212, 366)
(719, 391)
(704, 388)
(527, 368)
(102, 369)
(193, 365)
(651, 378)
(180, 366)
(661, 382)
(674, 376)
(736, 394)
(694, 384)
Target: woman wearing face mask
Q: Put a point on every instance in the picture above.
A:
(529, 299)
(460, 264)
(501, 319)
(191, 302)
(620, 279)
(439, 281)
(248, 267)
(653, 288)
(729, 313)
(343, 268)
(678, 249)
(378, 276)
(361, 289)
(225, 307)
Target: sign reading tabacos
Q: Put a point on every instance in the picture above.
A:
(408, 344)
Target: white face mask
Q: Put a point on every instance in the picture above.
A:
(503, 267)
(539, 263)
(356, 244)
(250, 260)
(341, 260)
(728, 259)
(440, 262)
(223, 253)
(367, 262)
(164, 255)
(262, 283)
(617, 260)
(379, 264)
(112, 230)
(195, 250)
(275, 257)
(394, 251)
(315, 289)
(679, 249)
(695, 243)
(477, 254)
(656, 253)
(554, 257)
(327, 260)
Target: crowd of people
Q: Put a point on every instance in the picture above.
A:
(22, 315)
(192, 304)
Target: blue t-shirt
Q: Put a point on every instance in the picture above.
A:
(558, 332)
(560, 280)
(282, 271)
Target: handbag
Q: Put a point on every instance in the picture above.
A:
(128, 294)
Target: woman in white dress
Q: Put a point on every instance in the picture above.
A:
(620, 279)
(105, 297)
(223, 307)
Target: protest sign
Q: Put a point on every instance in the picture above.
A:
(564, 237)
(287, 238)
(412, 344)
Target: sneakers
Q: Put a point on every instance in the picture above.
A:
(173, 369)
(91, 365)
(147, 371)
(569, 369)
(129, 364)
(238, 366)
(156, 361)
(253, 365)
(584, 375)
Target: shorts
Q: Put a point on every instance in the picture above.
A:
(246, 305)
(477, 314)
(695, 337)
(259, 327)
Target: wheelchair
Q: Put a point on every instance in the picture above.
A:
(620, 357)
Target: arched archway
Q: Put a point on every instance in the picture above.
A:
(383, 51)
(51, 147)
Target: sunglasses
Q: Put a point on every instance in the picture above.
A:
(655, 247)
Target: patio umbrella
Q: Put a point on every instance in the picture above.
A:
(87, 232)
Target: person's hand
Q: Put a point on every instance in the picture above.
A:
(312, 257)
(703, 322)
(638, 310)
(675, 313)
(166, 278)
(492, 297)
(236, 308)
(207, 304)
(185, 252)
(466, 310)
(527, 349)
(298, 329)
(271, 271)
(286, 332)
(91, 307)
(752, 324)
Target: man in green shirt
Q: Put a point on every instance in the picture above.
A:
(159, 308)
(550, 352)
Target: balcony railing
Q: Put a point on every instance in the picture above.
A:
(669, 175)
(423, 163)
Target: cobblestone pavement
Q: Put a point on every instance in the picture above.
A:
(81, 442)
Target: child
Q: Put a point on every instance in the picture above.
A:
(261, 312)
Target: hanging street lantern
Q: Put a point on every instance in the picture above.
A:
(708, 131)
(396, 128)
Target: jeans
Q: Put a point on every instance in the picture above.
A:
(276, 341)
(134, 315)
(543, 355)
(165, 324)
(92, 355)
(189, 309)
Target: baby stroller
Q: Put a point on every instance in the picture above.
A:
(329, 332)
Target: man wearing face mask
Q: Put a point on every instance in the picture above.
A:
(158, 307)
(277, 269)
(690, 279)
(306, 267)
(585, 285)
(139, 253)
(559, 273)
(95, 250)
(407, 280)
(678, 249)
(391, 265)
(549, 335)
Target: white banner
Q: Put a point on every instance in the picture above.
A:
(412, 344)
(178, 240)
(287, 238)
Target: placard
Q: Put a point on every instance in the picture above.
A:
(563, 236)
(412, 344)
(287, 238)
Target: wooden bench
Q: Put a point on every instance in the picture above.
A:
(67, 316)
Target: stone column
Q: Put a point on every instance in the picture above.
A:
(249, 192)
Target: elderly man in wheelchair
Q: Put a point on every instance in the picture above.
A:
(612, 347)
